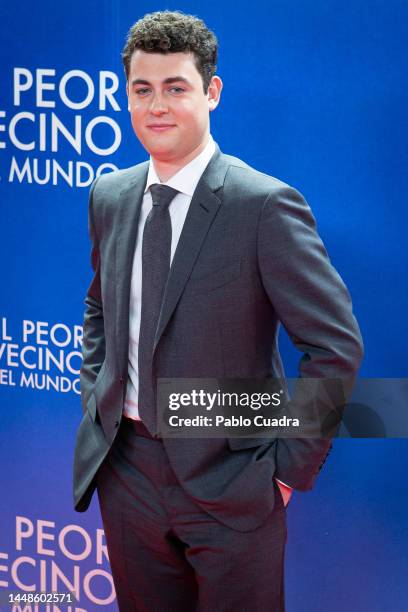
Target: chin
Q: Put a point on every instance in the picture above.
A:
(162, 153)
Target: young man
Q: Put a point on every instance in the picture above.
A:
(197, 259)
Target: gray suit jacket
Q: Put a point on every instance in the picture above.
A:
(249, 257)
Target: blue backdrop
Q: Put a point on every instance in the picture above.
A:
(315, 94)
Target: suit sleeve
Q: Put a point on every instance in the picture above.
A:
(315, 308)
(93, 344)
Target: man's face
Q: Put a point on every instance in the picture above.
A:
(169, 109)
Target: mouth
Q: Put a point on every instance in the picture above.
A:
(157, 127)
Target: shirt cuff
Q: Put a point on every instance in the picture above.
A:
(284, 483)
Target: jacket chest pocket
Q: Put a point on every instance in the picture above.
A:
(213, 276)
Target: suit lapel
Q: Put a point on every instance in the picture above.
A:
(203, 208)
(130, 202)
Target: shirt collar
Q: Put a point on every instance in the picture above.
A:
(186, 179)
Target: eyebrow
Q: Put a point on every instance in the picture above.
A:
(173, 79)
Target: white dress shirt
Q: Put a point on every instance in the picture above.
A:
(185, 181)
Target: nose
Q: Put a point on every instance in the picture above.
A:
(158, 105)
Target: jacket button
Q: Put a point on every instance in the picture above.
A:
(121, 380)
(116, 424)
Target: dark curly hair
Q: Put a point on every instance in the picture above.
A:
(172, 32)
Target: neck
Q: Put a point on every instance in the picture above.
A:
(165, 169)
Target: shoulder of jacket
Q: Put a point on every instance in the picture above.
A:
(112, 183)
(250, 178)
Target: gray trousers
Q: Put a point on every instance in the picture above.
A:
(169, 555)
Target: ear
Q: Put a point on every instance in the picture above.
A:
(214, 92)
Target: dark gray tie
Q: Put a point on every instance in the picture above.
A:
(156, 250)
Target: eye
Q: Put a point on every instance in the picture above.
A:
(176, 89)
(142, 91)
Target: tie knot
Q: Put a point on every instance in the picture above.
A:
(162, 195)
